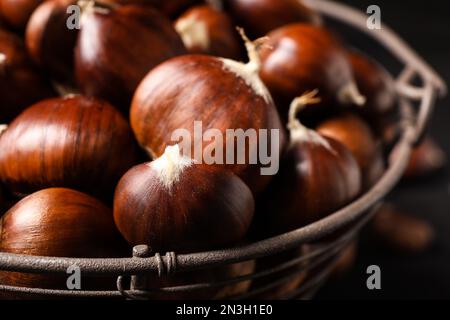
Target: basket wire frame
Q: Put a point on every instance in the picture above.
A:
(356, 214)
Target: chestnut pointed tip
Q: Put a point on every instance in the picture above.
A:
(90, 7)
(350, 94)
(3, 128)
(65, 91)
(298, 131)
(171, 165)
(193, 32)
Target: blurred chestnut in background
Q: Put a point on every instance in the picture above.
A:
(116, 48)
(318, 176)
(207, 30)
(400, 231)
(59, 222)
(223, 94)
(259, 17)
(354, 133)
(50, 43)
(20, 83)
(75, 142)
(374, 82)
(17, 12)
(427, 159)
(378, 86)
(299, 58)
(173, 204)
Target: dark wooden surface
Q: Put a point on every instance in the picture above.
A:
(426, 26)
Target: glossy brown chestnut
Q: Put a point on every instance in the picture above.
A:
(20, 83)
(50, 43)
(59, 222)
(259, 17)
(173, 204)
(222, 94)
(116, 48)
(17, 12)
(299, 58)
(318, 176)
(206, 30)
(354, 133)
(375, 83)
(74, 142)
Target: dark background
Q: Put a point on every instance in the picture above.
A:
(425, 25)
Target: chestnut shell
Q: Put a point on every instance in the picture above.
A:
(74, 142)
(223, 39)
(313, 182)
(375, 83)
(50, 43)
(198, 88)
(59, 222)
(353, 132)
(115, 50)
(20, 83)
(205, 208)
(298, 58)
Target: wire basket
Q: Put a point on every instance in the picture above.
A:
(312, 266)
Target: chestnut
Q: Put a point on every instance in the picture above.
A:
(354, 133)
(299, 58)
(375, 83)
(259, 17)
(49, 42)
(59, 222)
(398, 230)
(76, 142)
(427, 159)
(206, 30)
(117, 46)
(20, 83)
(318, 176)
(17, 12)
(173, 204)
(218, 93)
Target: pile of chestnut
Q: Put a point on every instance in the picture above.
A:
(87, 165)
